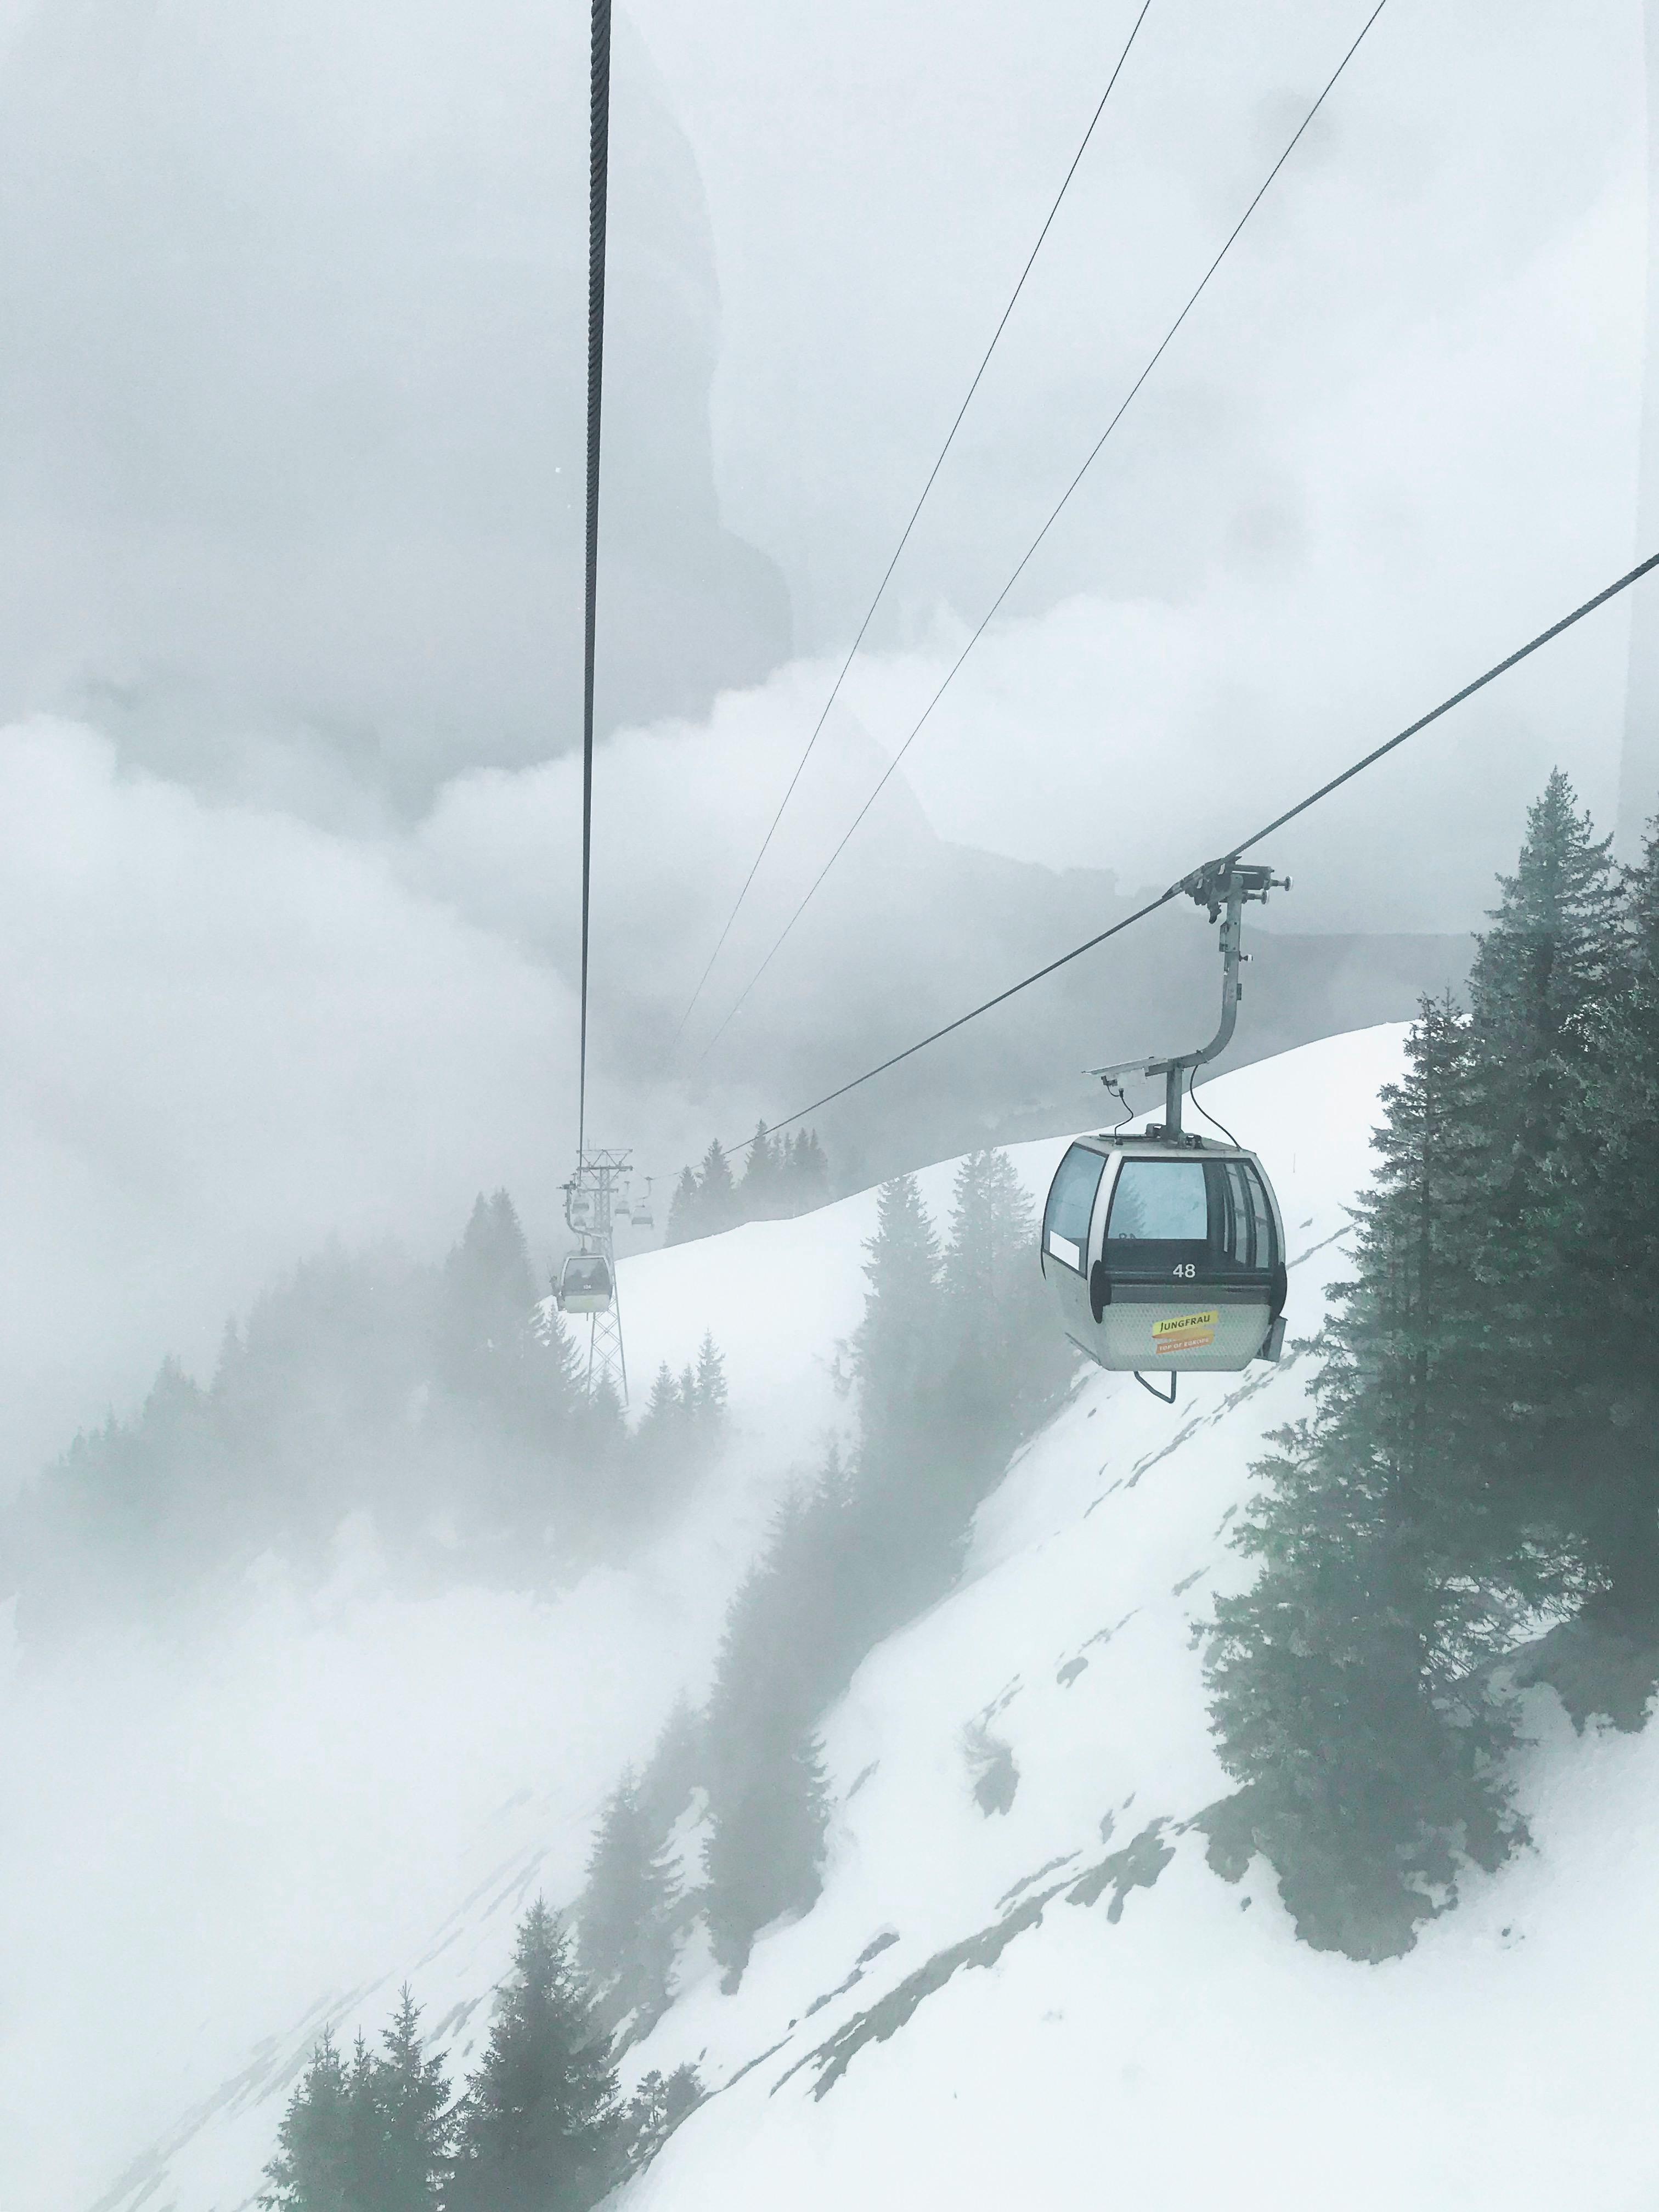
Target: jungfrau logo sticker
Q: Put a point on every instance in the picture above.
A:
(1184, 1332)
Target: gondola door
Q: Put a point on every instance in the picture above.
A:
(1067, 1221)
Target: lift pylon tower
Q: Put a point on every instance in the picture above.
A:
(590, 1199)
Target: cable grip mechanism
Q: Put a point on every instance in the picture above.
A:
(1222, 888)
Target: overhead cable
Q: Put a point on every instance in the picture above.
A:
(1357, 767)
(904, 537)
(991, 612)
(599, 165)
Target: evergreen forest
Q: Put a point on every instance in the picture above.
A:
(782, 1175)
(1469, 1507)
(954, 1363)
(1473, 1504)
(540, 2126)
(446, 1403)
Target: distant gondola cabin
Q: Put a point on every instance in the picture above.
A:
(585, 1284)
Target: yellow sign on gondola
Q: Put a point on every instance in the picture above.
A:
(1184, 1332)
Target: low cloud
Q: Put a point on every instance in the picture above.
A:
(227, 1035)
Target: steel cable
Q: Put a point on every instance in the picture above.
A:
(904, 538)
(1357, 767)
(598, 167)
(1025, 558)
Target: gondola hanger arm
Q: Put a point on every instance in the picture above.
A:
(1222, 888)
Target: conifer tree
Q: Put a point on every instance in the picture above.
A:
(683, 1212)
(625, 1920)
(556, 1370)
(1602, 1225)
(709, 1386)
(655, 2110)
(1006, 1358)
(663, 1407)
(896, 1347)
(765, 1849)
(808, 1173)
(1544, 984)
(717, 1197)
(1340, 1682)
(674, 1768)
(325, 2144)
(757, 1194)
(606, 1423)
(664, 1446)
(368, 2134)
(1540, 975)
(794, 1632)
(537, 2124)
(367, 2129)
(503, 1359)
(488, 1289)
(411, 2097)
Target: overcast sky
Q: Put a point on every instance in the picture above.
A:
(1397, 434)
(289, 425)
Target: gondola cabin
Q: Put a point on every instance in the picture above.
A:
(1165, 1256)
(585, 1284)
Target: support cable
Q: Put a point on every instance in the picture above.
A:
(1357, 767)
(599, 165)
(904, 539)
(1025, 558)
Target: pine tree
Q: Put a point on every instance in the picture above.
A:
(626, 1917)
(655, 2110)
(717, 1197)
(488, 1289)
(814, 1173)
(556, 1370)
(1602, 1228)
(1341, 1683)
(1006, 1361)
(1544, 987)
(793, 1633)
(539, 2119)
(757, 1194)
(764, 1854)
(504, 1359)
(803, 1173)
(368, 2134)
(325, 2143)
(604, 1421)
(675, 1767)
(661, 1418)
(709, 1385)
(1540, 973)
(411, 2096)
(683, 1210)
(896, 1348)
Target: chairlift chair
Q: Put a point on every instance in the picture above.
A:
(585, 1284)
(642, 1215)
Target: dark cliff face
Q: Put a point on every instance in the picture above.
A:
(292, 427)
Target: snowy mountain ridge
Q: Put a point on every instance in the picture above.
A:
(1023, 1983)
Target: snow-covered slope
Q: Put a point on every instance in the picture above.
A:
(1055, 2005)
(1156, 2037)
